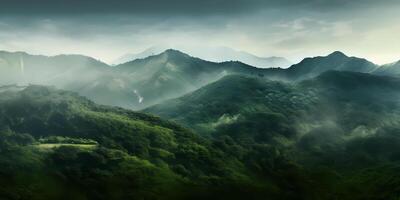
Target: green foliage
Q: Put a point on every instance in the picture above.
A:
(314, 138)
(137, 155)
(332, 137)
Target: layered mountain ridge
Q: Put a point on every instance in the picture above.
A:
(144, 82)
(217, 54)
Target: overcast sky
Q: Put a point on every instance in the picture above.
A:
(290, 28)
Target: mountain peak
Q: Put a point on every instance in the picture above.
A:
(174, 52)
(337, 54)
(397, 63)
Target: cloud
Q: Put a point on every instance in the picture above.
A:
(290, 28)
(173, 7)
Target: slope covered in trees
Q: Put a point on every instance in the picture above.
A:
(334, 136)
(99, 152)
(340, 126)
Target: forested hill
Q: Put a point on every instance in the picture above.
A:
(342, 126)
(57, 145)
(325, 138)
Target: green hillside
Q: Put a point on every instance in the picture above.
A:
(342, 126)
(234, 97)
(58, 145)
(325, 138)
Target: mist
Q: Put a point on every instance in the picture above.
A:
(134, 85)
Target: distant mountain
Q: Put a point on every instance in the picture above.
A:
(134, 85)
(222, 54)
(172, 74)
(218, 54)
(392, 69)
(145, 82)
(68, 71)
(312, 67)
(144, 54)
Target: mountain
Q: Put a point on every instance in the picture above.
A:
(216, 54)
(312, 67)
(172, 74)
(225, 102)
(65, 145)
(45, 111)
(254, 110)
(144, 54)
(223, 54)
(68, 71)
(235, 97)
(151, 80)
(56, 144)
(342, 126)
(392, 69)
(328, 137)
(134, 85)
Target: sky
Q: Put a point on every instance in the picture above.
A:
(293, 29)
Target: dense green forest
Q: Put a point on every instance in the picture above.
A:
(341, 125)
(111, 153)
(331, 137)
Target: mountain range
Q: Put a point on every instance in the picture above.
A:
(325, 128)
(215, 54)
(144, 82)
